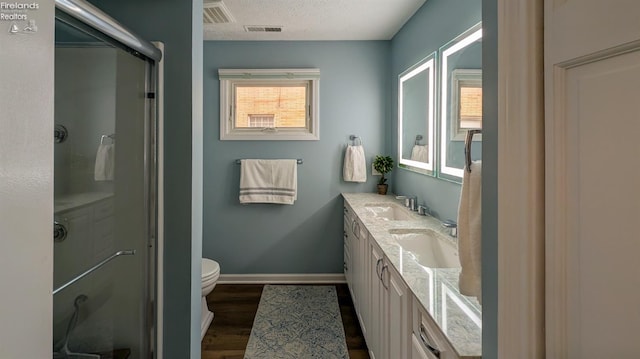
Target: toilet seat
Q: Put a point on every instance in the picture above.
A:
(210, 271)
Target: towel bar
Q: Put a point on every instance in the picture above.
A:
(299, 161)
(467, 148)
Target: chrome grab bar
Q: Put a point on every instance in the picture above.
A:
(425, 341)
(88, 271)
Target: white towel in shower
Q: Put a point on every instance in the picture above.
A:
(105, 162)
(470, 231)
(355, 166)
(268, 181)
(420, 153)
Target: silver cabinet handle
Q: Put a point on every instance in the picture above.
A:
(425, 341)
(385, 267)
(356, 225)
(59, 231)
(378, 268)
(353, 226)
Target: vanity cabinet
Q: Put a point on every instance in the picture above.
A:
(389, 309)
(427, 340)
(348, 249)
(404, 307)
(355, 244)
(397, 317)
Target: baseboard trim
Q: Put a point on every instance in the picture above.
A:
(281, 278)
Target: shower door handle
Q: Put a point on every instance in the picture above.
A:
(59, 231)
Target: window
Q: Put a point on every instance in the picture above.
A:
(273, 104)
(263, 121)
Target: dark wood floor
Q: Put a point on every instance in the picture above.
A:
(235, 306)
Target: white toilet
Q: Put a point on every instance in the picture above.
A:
(210, 274)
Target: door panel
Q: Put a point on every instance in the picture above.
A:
(593, 122)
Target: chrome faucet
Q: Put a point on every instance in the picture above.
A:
(410, 202)
(423, 210)
(413, 203)
(453, 227)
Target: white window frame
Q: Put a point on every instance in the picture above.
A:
(230, 78)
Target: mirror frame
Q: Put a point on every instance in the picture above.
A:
(465, 39)
(427, 64)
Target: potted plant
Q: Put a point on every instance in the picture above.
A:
(383, 164)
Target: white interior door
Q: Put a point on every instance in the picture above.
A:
(592, 95)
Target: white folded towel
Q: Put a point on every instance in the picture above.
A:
(420, 153)
(268, 181)
(355, 166)
(105, 162)
(470, 232)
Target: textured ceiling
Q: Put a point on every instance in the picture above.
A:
(315, 19)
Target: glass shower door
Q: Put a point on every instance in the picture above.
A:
(104, 209)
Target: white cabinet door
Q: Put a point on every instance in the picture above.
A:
(376, 314)
(592, 71)
(362, 280)
(348, 249)
(357, 269)
(398, 319)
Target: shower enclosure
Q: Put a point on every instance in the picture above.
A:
(105, 188)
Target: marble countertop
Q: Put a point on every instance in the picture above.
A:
(459, 317)
(66, 202)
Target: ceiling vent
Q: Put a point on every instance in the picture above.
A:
(216, 12)
(261, 28)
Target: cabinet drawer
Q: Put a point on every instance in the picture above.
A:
(417, 350)
(429, 335)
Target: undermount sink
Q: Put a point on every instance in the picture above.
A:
(388, 211)
(427, 247)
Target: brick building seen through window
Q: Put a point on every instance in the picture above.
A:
(270, 106)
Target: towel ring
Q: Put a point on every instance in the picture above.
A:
(353, 139)
(467, 148)
(418, 138)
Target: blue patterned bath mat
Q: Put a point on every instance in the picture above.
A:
(297, 322)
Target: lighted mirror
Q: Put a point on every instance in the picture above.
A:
(461, 100)
(416, 104)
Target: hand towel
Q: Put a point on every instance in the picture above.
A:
(268, 181)
(355, 167)
(420, 153)
(470, 232)
(105, 162)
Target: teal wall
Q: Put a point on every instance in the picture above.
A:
(171, 21)
(307, 236)
(433, 25)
